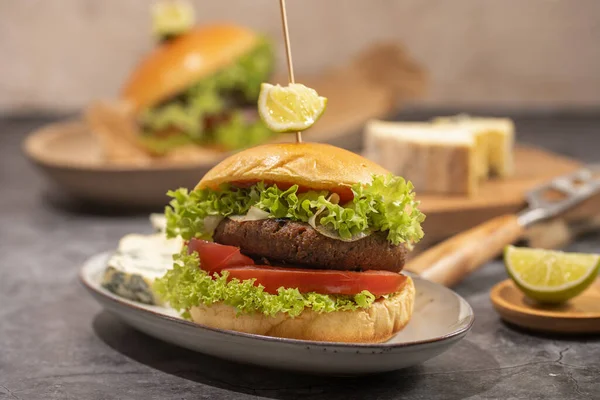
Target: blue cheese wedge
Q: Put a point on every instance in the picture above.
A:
(437, 159)
(495, 139)
(138, 261)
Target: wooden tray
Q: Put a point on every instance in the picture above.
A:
(578, 316)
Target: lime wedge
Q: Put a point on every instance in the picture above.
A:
(290, 108)
(550, 276)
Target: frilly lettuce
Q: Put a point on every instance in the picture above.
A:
(236, 133)
(186, 285)
(239, 133)
(160, 146)
(387, 204)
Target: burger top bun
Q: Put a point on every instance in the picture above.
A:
(376, 324)
(175, 65)
(313, 166)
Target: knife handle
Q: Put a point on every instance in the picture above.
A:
(450, 261)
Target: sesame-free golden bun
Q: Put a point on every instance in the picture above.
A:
(313, 166)
(376, 324)
(181, 62)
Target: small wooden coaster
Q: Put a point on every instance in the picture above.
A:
(579, 315)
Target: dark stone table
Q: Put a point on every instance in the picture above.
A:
(57, 343)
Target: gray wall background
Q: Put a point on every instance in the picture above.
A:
(57, 55)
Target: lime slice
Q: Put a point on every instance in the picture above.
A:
(290, 108)
(550, 276)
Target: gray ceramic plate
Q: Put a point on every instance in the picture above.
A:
(440, 320)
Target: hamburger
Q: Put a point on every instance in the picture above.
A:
(304, 241)
(199, 86)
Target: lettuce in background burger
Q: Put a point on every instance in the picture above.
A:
(199, 85)
(303, 241)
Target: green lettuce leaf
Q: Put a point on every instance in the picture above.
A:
(186, 285)
(212, 96)
(160, 146)
(187, 211)
(237, 133)
(387, 204)
(390, 203)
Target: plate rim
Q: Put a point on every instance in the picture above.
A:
(30, 147)
(95, 288)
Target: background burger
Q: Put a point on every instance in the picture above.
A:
(303, 241)
(196, 85)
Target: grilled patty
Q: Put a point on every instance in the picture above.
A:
(283, 241)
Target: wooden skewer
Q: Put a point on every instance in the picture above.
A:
(288, 52)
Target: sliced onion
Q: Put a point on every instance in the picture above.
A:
(334, 198)
(211, 222)
(253, 214)
(333, 234)
(328, 231)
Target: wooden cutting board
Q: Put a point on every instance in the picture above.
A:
(448, 215)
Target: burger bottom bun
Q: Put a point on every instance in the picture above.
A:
(376, 324)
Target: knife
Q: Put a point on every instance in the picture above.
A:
(450, 261)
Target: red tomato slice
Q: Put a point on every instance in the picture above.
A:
(320, 281)
(214, 257)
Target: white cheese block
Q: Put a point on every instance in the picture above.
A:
(495, 137)
(138, 261)
(435, 159)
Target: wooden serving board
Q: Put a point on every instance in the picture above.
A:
(449, 215)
